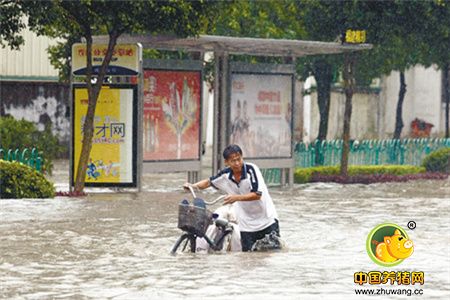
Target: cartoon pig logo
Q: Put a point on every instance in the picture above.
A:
(394, 247)
(388, 245)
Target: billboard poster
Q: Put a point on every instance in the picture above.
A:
(261, 114)
(171, 129)
(112, 154)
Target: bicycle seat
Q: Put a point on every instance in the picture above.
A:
(221, 222)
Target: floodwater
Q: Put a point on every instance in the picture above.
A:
(116, 245)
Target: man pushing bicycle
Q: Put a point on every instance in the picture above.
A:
(245, 188)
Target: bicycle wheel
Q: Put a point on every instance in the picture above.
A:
(187, 238)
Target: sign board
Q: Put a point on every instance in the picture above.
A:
(124, 62)
(260, 118)
(112, 160)
(171, 125)
(355, 36)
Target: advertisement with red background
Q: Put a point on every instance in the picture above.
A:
(171, 128)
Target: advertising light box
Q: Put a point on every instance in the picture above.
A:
(260, 119)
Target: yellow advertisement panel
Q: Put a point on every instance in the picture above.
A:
(125, 59)
(111, 157)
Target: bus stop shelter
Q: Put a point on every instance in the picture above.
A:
(222, 47)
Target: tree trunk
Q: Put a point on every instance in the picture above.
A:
(324, 77)
(93, 92)
(446, 70)
(349, 83)
(398, 117)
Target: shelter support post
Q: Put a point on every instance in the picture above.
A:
(283, 177)
(287, 177)
(220, 109)
(291, 177)
(140, 129)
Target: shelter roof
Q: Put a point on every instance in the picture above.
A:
(238, 45)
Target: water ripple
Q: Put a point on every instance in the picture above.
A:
(115, 246)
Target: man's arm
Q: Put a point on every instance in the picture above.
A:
(252, 196)
(202, 184)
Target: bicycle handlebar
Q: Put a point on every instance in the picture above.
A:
(191, 189)
(221, 197)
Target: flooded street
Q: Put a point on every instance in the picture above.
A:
(116, 245)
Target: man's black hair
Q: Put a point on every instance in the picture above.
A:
(231, 149)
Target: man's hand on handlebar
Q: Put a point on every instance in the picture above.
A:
(187, 185)
(230, 199)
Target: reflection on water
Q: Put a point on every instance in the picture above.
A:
(117, 245)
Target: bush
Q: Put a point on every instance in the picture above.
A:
(304, 175)
(20, 181)
(16, 134)
(438, 161)
(368, 179)
(24, 134)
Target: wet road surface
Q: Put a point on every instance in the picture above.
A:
(116, 245)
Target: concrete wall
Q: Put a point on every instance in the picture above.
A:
(373, 114)
(423, 100)
(365, 116)
(38, 102)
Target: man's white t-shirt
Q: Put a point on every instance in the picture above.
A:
(251, 215)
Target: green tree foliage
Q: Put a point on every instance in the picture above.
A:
(21, 181)
(433, 31)
(87, 18)
(261, 19)
(11, 23)
(258, 19)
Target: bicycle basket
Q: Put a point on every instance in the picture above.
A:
(194, 219)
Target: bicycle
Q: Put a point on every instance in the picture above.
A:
(195, 219)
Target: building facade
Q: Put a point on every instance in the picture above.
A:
(374, 110)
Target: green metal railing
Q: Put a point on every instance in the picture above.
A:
(366, 152)
(26, 156)
(271, 176)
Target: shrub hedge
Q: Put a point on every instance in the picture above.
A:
(374, 178)
(438, 161)
(305, 175)
(20, 181)
(20, 134)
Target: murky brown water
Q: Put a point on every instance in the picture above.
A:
(116, 246)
